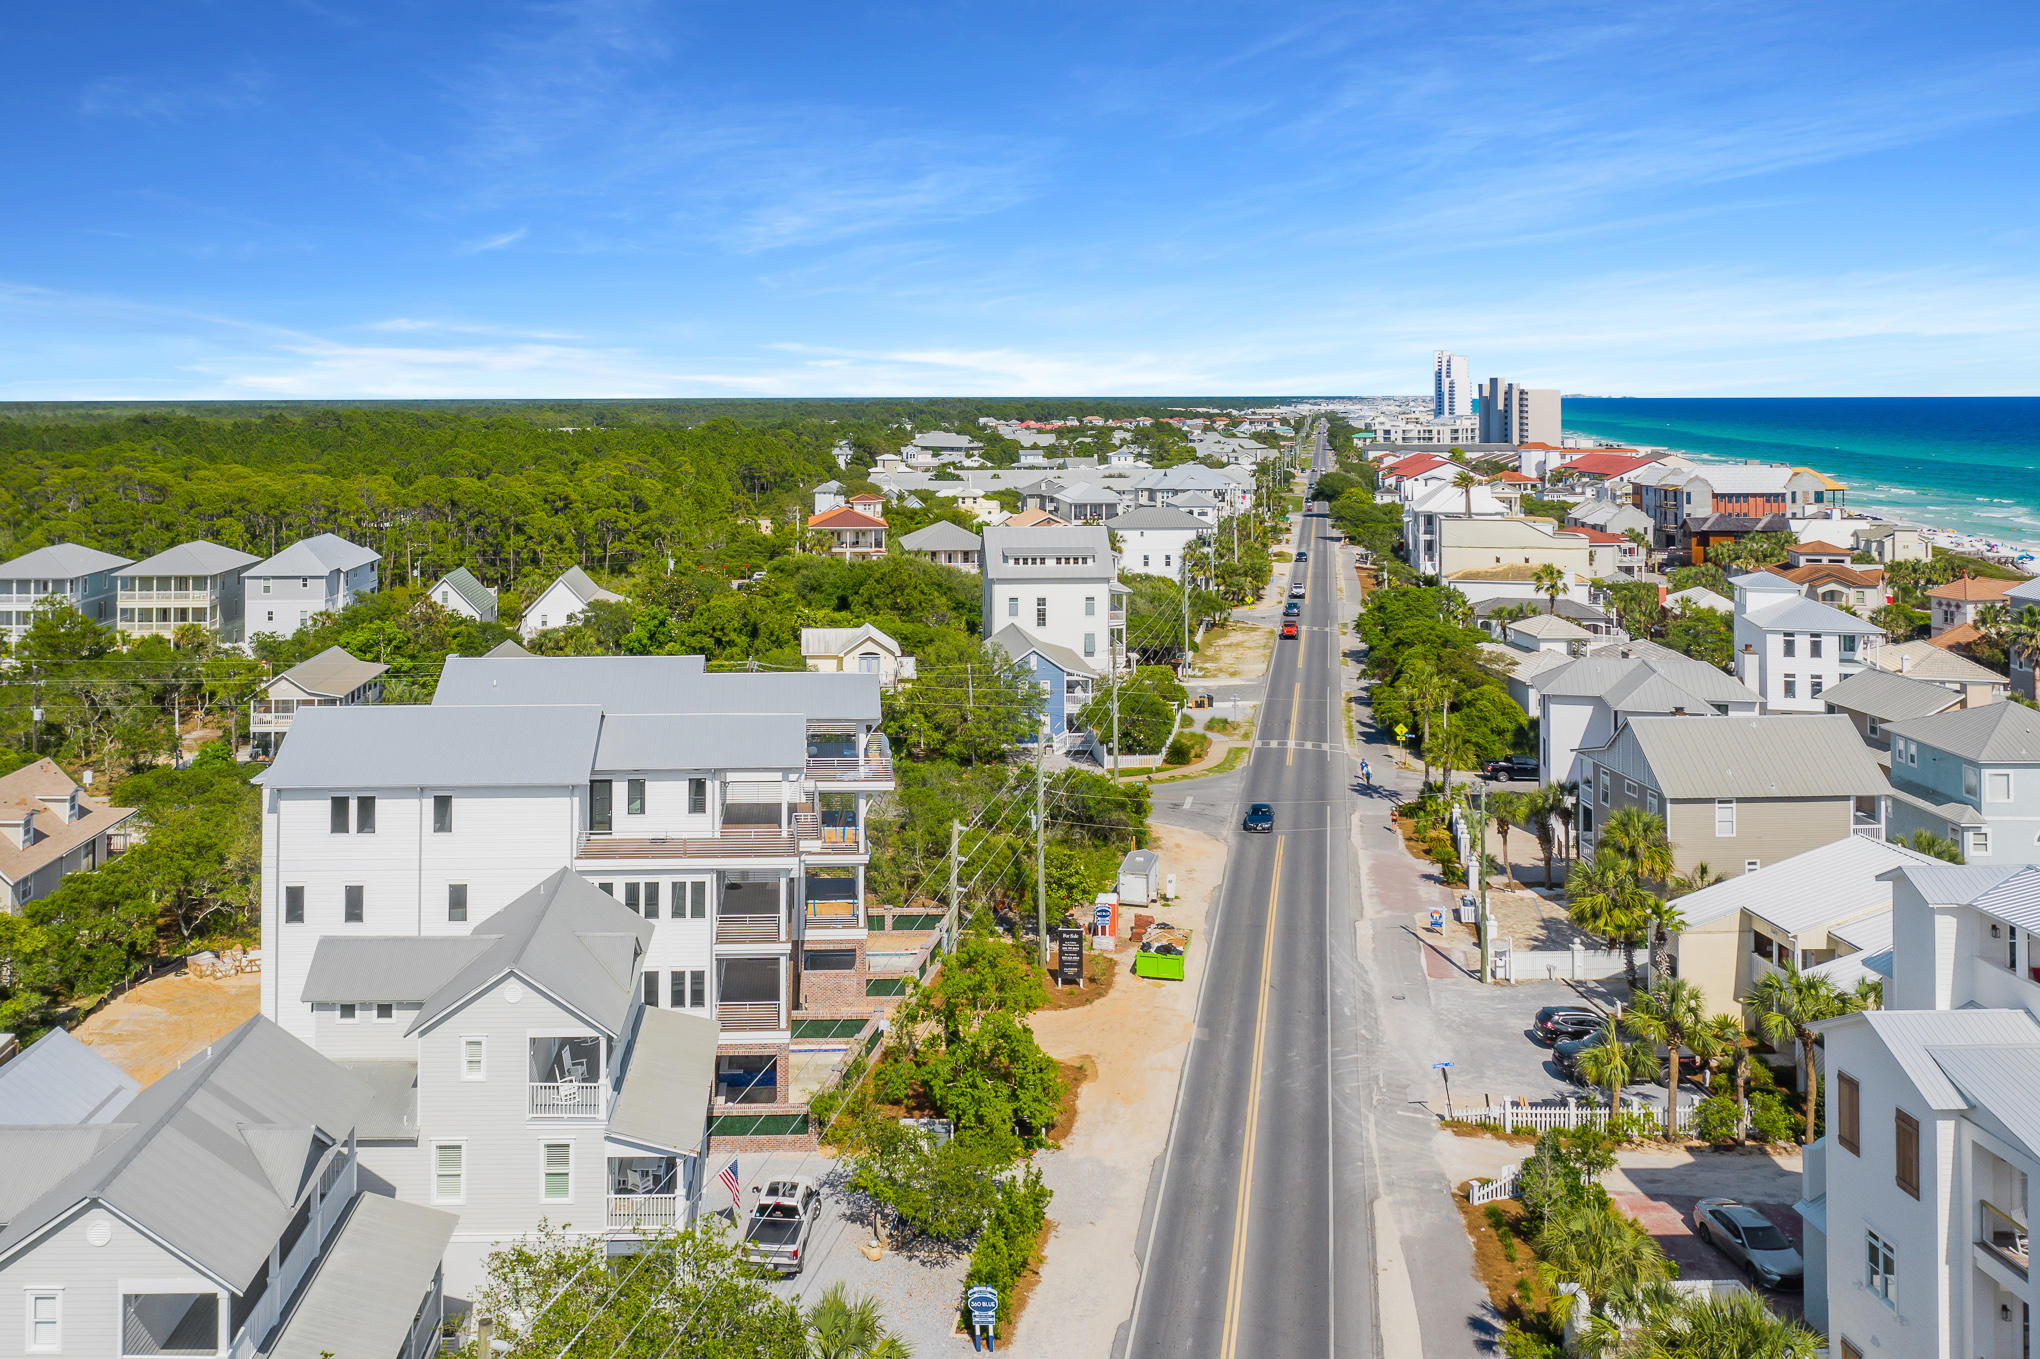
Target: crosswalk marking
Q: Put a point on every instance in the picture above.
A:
(1291, 745)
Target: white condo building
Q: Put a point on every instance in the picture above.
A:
(724, 816)
(321, 574)
(82, 577)
(1792, 649)
(1451, 385)
(1061, 584)
(1917, 1200)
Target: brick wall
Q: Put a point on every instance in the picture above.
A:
(830, 989)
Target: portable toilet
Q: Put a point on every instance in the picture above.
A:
(1140, 878)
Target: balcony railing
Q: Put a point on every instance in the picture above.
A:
(750, 1014)
(735, 842)
(643, 1212)
(826, 765)
(2003, 1236)
(829, 831)
(760, 928)
(566, 1099)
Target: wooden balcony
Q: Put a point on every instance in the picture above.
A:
(760, 928)
(873, 766)
(736, 842)
(566, 1099)
(751, 1015)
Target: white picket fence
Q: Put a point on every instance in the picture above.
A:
(1502, 1186)
(1512, 1117)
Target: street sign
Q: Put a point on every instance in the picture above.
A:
(983, 1303)
(1402, 729)
(1069, 955)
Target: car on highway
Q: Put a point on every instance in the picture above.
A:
(1296, 591)
(1289, 629)
(1302, 557)
(1291, 609)
(1511, 767)
(1751, 1240)
(1260, 817)
(1557, 1023)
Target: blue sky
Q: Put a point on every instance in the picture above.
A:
(315, 198)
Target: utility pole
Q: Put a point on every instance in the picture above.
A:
(1480, 896)
(1041, 839)
(1112, 653)
(955, 916)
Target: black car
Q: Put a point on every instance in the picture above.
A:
(1291, 609)
(1303, 556)
(1511, 768)
(1557, 1023)
(1260, 817)
(1565, 1054)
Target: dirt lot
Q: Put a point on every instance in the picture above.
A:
(1134, 1038)
(148, 1031)
(1235, 651)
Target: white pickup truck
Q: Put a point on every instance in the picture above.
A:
(782, 1220)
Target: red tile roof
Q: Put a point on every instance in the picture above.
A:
(1515, 478)
(1415, 463)
(1820, 550)
(1594, 535)
(1972, 589)
(1962, 634)
(1606, 463)
(843, 517)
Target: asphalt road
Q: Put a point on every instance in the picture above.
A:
(1276, 1260)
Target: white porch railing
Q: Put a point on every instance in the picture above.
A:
(643, 1212)
(566, 1099)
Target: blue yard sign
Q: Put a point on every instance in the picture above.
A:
(1101, 916)
(1438, 920)
(983, 1302)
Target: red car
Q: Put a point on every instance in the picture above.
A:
(1289, 629)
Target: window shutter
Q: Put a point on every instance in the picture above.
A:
(1907, 1139)
(447, 1175)
(559, 1166)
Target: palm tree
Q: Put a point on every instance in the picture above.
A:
(1505, 808)
(1672, 1014)
(1724, 1325)
(1450, 750)
(1723, 1039)
(1639, 837)
(1604, 898)
(1786, 1005)
(1615, 1262)
(1939, 847)
(1465, 480)
(1616, 1061)
(1538, 810)
(1896, 621)
(1566, 808)
(843, 1329)
(1703, 876)
(1426, 691)
(1549, 581)
(2021, 635)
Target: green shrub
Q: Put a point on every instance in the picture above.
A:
(1772, 1120)
(1715, 1120)
(1186, 747)
(1532, 1342)
(1005, 1246)
(1498, 1223)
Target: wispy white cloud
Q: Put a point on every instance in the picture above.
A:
(500, 241)
(158, 100)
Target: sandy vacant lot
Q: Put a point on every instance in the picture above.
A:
(152, 1028)
(1137, 1036)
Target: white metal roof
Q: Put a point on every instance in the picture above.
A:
(1835, 882)
(440, 746)
(1784, 755)
(664, 1099)
(315, 556)
(60, 561)
(197, 558)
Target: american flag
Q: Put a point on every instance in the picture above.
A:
(730, 1180)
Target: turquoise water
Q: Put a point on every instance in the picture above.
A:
(1971, 464)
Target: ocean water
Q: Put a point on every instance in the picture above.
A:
(1970, 463)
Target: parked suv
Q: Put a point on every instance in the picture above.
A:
(1511, 768)
(1557, 1023)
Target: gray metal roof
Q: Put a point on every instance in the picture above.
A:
(414, 746)
(1016, 642)
(837, 641)
(197, 558)
(60, 561)
(1804, 615)
(315, 556)
(2002, 1081)
(1923, 660)
(701, 741)
(1199, 499)
(217, 1153)
(1835, 882)
(469, 587)
(400, 969)
(941, 536)
(507, 647)
(392, 1113)
(1090, 541)
(333, 672)
(1888, 697)
(1996, 733)
(1157, 517)
(1549, 625)
(664, 1100)
(370, 1283)
(1140, 861)
(57, 1079)
(35, 1156)
(582, 586)
(1648, 684)
(654, 684)
(565, 936)
(1780, 756)
(1908, 1034)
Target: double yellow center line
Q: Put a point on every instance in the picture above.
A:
(1237, 1272)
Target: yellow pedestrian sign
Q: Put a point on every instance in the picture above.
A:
(1402, 729)
(1402, 737)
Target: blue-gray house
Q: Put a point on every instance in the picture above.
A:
(1066, 679)
(1971, 776)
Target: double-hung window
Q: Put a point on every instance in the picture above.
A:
(1880, 1268)
(1791, 644)
(1041, 611)
(634, 797)
(45, 1320)
(1813, 641)
(449, 1172)
(1724, 816)
(474, 1059)
(442, 814)
(697, 797)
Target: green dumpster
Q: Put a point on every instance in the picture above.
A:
(1161, 955)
